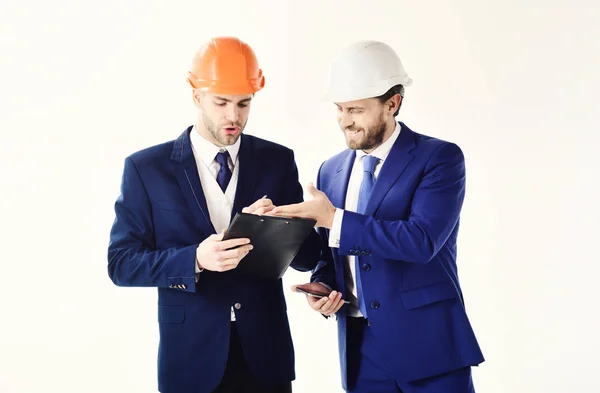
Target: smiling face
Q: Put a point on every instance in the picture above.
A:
(367, 123)
(222, 118)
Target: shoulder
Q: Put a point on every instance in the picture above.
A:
(152, 153)
(160, 153)
(268, 150)
(430, 146)
(150, 157)
(333, 163)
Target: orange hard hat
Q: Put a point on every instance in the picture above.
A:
(226, 65)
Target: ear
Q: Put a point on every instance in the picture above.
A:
(197, 97)
(394, 103)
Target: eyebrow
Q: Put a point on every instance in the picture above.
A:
(228, 100)
(351, 107)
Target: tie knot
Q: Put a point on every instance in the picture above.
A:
(369, 163)
(222, 158)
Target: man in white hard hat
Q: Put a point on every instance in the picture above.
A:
(389, 208)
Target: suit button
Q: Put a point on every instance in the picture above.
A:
(366, 267)
(375, 305)
(237, 306)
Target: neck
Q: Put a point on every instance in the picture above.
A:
(390, 126)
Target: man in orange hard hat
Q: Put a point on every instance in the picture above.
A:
(219, 332)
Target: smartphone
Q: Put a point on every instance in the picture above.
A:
(317, 295)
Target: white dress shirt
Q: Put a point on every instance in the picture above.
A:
(219, 204)
(356, 177)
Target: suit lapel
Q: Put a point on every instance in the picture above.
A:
(340, 181)
(249, 167)
(395, 163)
(186, 172)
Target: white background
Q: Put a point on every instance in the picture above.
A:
(85, 83)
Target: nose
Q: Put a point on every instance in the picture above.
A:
(345, 121)
(233, 114)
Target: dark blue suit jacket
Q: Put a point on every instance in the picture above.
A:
(161, 217)
(406, 245)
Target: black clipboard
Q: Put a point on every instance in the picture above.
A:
(276, 242)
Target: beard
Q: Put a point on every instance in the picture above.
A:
(217, 131)
(372, 136)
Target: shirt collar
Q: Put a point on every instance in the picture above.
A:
(207, 151)
(383, 150)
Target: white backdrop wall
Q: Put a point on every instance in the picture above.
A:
(83, 84)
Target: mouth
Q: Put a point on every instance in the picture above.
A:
(231, 130)
(353, 134)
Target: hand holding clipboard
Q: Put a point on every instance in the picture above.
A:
(275, 241)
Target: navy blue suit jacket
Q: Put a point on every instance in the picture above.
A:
(406, 245)
(161, 217)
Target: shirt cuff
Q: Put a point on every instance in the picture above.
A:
(197, 270)
(336, 229)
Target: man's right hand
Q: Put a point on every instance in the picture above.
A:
(215, 255)
(328, 304)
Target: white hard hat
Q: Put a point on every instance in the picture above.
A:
(363, 70)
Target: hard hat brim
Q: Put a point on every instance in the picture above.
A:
(218, 88)
(355, 93)
(234, 90)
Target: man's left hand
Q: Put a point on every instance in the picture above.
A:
(319, 208)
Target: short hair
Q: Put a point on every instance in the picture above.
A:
(397, 89)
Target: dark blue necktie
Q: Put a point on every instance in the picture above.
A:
(366, 187)
(224, 174)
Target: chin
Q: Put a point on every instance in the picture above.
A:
(229, 139)
(353, 145)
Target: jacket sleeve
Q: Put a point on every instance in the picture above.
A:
(435, 212)
(133, 259)
(307, 257)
